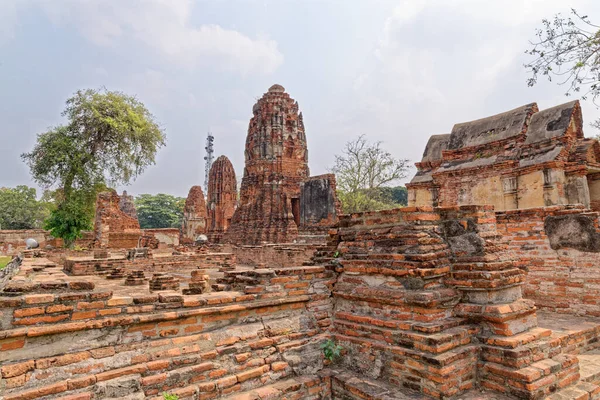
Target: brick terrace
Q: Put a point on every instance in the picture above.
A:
(426, 303)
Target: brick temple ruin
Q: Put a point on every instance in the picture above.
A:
(440, 299)
(279, 202)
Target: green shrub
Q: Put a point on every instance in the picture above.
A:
(331, 350)
(169, 396)
(4, 261)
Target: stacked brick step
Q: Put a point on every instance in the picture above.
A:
(308, 387)
(197, 347)
(135, 278)
(103, 268)
(116, 273)
(163, 281)
(323, 256)
(517, 357)
(392, 305)
(198, 283)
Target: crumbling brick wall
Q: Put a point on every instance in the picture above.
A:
(428, 300)
(319, 205)
(274, 255)
(13, 241)
(563, 274)
(162, 237)
(422, 298)
(114, 228)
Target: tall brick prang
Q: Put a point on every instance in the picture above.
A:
(222, 197)
(276, 164)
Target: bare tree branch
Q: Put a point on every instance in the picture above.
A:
(362, 170)
(569, 49)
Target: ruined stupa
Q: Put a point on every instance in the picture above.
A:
(276, 163)
(194, 215)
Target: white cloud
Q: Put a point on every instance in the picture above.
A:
(165, 27)
(439, 62)
(8, 20)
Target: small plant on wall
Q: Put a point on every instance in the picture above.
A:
(169, 396)
(331, 350)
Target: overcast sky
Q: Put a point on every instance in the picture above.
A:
(397, 71)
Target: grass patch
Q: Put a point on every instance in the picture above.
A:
(4, 261)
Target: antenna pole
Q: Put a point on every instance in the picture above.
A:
(209, 158)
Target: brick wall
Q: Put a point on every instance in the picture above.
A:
(428, 299)
(274, 255)
(78, 266)
(113, 228)
(422, 298)
(13, 241)
(166, 237)
(564, 280)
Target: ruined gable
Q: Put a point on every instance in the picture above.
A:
(486, 130)
(517, 159)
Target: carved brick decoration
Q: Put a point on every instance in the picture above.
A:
(276, 164)
(222, 197)
(114, 228)
(194, 215)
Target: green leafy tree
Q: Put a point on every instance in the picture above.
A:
(364, 171)
(396, 196)
(159, 211)
(72, 216)
(567, 49)
(20, 208)
(109, 139)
